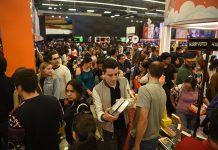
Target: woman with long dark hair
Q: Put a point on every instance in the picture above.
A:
(85, 74)
(76, 104)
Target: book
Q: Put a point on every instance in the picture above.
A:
(166, 143)
(118, 107)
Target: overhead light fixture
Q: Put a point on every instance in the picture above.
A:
(90, 11)
(107, 12)
(44, 4)
(49, 7)
(60, 8)
(147, 13)
(55, 8)
(133, 11)
(112, 16)
(154, 1)
(127, 17)
(66, 17)
(140, 21)
(117, 15)
(99, 3)
(132, 16)
(52, 16)
(131, 20)
(158, 10)
(59, 16)
(71, 9)
(137, 21)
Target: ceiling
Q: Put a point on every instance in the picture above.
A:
(134, 10)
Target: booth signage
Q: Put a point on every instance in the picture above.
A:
(203, 44)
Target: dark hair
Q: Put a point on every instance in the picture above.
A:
(53, 52)
(112, 52)
(214, 65)
(3, 64)
(212, 58)
(84, 126)
(119, 56)
(127, 53)
(86, 60)
(213, 126)
(145, 65)
(192, 81)
(100, 60)
(77, 86)
(178, 48)
(109, 64)
(26, 78)
(156, 69)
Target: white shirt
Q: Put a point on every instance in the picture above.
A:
(64, 76)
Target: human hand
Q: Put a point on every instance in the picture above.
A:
(109, 117)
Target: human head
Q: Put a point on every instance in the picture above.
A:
(110, 70)
(99, 62)
(121, 58)
(156, 69)
(45, 69)
(25, 80)
(166, 58)
(213, 127)
(190, 59)
(87, 62)
(128, 55)
(179, 50)
(190, 83)
(144, 66)
(212, 58)
(214, 65)
(74, 90)
(179, 61)
(113, 52)
(54, 58)
(3, 64)
(84, 128)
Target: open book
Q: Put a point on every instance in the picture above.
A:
(118, 107)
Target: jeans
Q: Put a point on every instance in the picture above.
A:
(116, 140)
(144, 145)
(187, 120)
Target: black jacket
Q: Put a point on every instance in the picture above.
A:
(76, 107)
(6, 97)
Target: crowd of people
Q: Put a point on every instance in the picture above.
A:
(70, 93)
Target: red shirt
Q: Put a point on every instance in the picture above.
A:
(191, 144)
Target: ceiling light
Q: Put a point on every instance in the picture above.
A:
(55, 8)
(59, 16)
(132, 16)
(60, 8)
(117, 15)
(132, 11)
(90, 11)
(49, 7)
(66, 17)
(107, 12)
(71, 9)
(127, 17)
(49, 4)
(137, 21)
(99, 3)
(140, 21)
(52, 16)
(158, 10)
(131, 20)
(112, 16)
(154, 1)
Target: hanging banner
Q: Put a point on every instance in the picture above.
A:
(178, 11)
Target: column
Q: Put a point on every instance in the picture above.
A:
(17, 36)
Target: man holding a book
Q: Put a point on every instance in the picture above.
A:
(112, 98)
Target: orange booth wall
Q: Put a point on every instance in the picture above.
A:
(17, 35)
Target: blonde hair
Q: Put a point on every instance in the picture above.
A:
(42, 67)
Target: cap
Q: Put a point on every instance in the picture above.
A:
(190, 56)
(165, 55)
